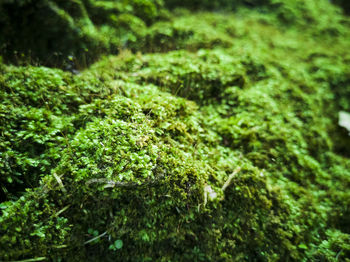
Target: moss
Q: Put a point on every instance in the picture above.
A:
(31, 31)
(39, 112)
(94, 28)
(226, 150)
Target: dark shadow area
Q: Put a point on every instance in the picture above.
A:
(345, 4)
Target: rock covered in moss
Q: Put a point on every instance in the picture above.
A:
(221, 152)
(31, 31)
(49, 32)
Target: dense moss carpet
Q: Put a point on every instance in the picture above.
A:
(194, 136)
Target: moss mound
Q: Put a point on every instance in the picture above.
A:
(220, 142)
(73, 34)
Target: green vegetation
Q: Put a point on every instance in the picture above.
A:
(208, 137)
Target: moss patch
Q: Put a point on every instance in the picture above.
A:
(227, 149)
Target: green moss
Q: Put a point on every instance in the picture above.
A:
(39, 112)
(226, 150)
(31, 31)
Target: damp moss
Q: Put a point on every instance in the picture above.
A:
(225, 150)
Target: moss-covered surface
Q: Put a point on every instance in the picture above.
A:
(71, 33)
(214, 139)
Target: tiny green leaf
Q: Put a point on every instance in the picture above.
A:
(302, 246)
(118, 244)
